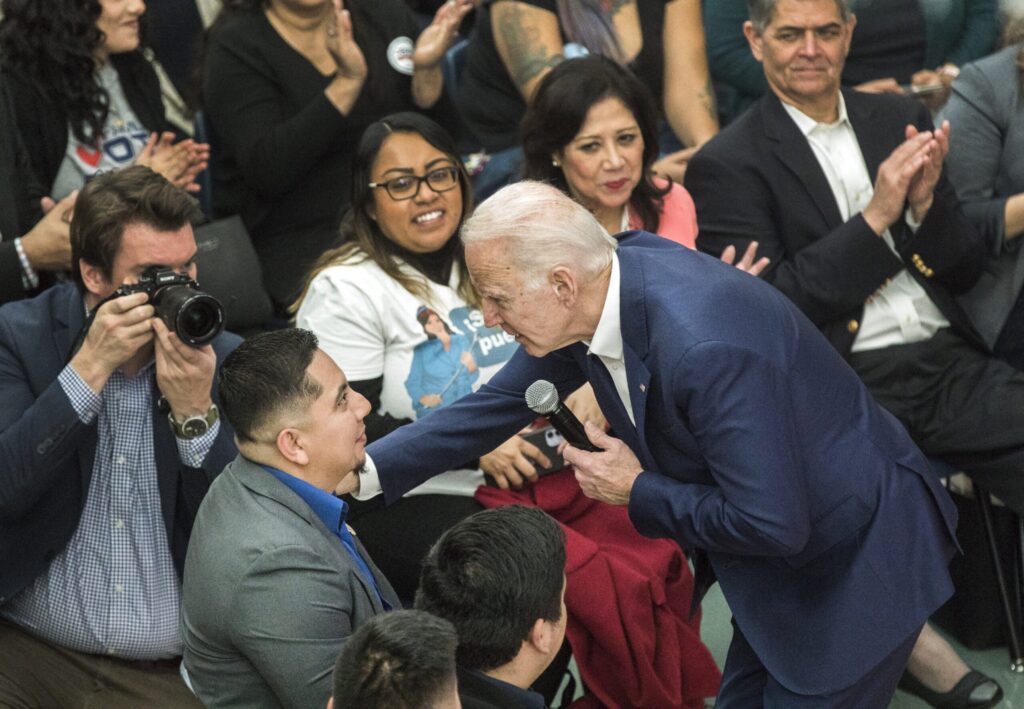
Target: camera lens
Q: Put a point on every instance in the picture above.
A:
(195, 317)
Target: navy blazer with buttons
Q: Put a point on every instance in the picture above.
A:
(47, 453)
(758, 180)
(827, 531)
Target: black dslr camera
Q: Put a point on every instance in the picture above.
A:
(194, 316)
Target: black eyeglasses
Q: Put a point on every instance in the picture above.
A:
(408, 186)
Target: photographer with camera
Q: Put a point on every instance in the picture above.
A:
(109, 439)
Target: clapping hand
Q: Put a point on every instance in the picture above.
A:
(179, 163)
(342, 46)
(435, 40)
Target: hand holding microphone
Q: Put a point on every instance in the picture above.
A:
(605, 467)
(542, 398)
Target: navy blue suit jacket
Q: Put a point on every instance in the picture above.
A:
(827, 531)
(47, 453)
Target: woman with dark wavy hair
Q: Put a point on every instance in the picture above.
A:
(84, 97)
(592, 131)
(288, 87)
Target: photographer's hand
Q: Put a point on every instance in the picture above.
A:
(184, 374)
(119, 330)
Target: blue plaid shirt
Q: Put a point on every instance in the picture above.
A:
(114, 590)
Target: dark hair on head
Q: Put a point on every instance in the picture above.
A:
(493, 575)
(267, 374)
(116, 199)
(362, 237)
(53, 43)
(559, 110)
(761, 12)
(399, 660)
(423, 314)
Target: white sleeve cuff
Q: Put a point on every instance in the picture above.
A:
(369, 481)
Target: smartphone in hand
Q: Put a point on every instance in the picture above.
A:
(548, 440)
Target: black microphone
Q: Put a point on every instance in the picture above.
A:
(542, 398)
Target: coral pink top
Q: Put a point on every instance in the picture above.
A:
(678, 216)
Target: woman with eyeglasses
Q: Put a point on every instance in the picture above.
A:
(394, 307)
(288, 87)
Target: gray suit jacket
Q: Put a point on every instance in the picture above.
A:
(986, 112)
(269, 595)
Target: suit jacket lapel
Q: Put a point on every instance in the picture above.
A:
(794, 152)
(862, 118)
(635, 344)
(263, 483)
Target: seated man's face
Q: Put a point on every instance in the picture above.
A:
(803, 49)
(333, 434)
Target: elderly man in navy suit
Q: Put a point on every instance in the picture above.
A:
(740, 433)
(844, 191)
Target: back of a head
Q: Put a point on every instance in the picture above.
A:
(399, 660)
(543, 228)
(265, 376)
(493, 575)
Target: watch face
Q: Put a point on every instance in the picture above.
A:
(194, 427)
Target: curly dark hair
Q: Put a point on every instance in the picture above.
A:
(559, 108)
(53, 43)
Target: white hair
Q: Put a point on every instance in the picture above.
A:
(544, 228)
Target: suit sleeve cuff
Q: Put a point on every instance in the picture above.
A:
(369, 481)
(84, 400)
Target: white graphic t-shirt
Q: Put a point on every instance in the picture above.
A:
(430, 354)
(123, 138)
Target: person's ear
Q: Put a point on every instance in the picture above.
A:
(371, 211)
(540, 637)
(754, 39)
(563, 281)
(95, 280)
(290, 444)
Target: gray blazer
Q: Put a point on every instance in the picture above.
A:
(269, 595)
(986, 113)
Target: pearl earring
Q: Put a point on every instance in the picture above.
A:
(554, 163)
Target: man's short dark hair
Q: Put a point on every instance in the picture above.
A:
(265, 375)
(493, 575)
(398, 660)
(760, 12)
(114, 200)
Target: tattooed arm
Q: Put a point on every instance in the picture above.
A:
(688, 94)
(528, 42)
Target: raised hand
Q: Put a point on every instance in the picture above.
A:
(122, 326)
(894, 179)
(343, 48)
(921, 190)
(435, 40)
(184, 374)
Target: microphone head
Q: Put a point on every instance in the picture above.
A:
(542, 397)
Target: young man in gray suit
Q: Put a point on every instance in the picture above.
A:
(275, 581)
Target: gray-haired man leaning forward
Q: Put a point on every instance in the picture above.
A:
(742, 433)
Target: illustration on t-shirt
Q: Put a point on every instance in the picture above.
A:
(447, 364)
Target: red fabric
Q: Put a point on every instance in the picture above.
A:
(627, 597)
